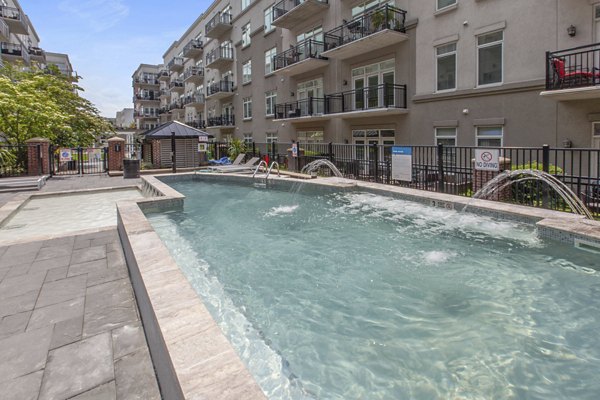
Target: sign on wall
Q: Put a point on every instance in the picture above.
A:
(294, 149)
(65, 155)
(402, 163)
(203, 139)
(202, 147)
(487, 159)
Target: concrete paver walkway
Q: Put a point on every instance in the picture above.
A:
(69, 325)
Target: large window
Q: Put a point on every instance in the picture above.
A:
(245, 4)
(247, 103)
(247, 71)
(315, 33)
(445, 136)
(246, 35)
(446, 67)
(271, 138)
(310, 136)
(269, 19)
(364, 8)
(248, 139)
(489, 136)
(270, 101)
(489, 58)
(441, 4)
(269, 60)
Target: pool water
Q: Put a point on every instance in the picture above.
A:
(351, 295)
(66, 213)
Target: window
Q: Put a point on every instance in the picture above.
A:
(445, 136)
(489, 136)
(246, 35)
(247, 71)
(315, 33)
(446, 67)
(365, 8)
(270, 101)
(245, 4)
(248, 140)
(489, 58)
(247, 103)
(310, 136)
(269, 19)
(269, 60)
(271, 138)
(444, 3)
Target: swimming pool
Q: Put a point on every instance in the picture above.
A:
(353, 295)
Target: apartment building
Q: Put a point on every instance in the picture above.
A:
(146, 96)
(20, 43)
(458, 72)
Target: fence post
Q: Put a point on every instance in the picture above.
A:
(40, 159)
(273, 152)
(376, 160)
(330, 151)
(173, 154)
(80, 163)
(253, 149)
(546, 169)
(440, 156)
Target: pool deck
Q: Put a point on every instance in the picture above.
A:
(69, 322)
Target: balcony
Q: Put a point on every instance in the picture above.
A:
(371, 101)
(15, 19)
(14, 52)
(312, 108)
(176, 64)
(176, 106)
(37, 54)
(177, 86)
(218, 25)
(163, 110)
(196, 100)
(219, 90)
(164, 93)
(305, 56)
(219, 58)
(146, 115)
(193, 48)
(4, 31)
(145, 81)
(291, 13)
(380, 28)
(199, 124)
(573, 74)
(143, 97)
(194, 75)
(227, 121)
(164, 75)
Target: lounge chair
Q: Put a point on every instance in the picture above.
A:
(248, 166)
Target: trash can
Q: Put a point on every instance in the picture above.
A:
(131, 169)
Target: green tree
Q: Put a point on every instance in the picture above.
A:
(45, 103)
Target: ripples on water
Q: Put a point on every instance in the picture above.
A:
(358, 296)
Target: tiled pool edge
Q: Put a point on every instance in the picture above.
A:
(192, 357)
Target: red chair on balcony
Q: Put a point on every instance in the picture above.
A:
(573, 77)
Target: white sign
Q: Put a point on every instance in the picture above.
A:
(65, 155)
(203, 139)
(487, 159)
(402, 163)
(294, 149)
(202, 147)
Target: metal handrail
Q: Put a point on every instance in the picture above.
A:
(258, 166)
(308, 48)
(271, 167)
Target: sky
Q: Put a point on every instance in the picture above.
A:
(106, 40)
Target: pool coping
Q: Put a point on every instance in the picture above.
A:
(11, 207)
(192, 356)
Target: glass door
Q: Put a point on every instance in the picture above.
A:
(372, 91)
(359, 94)
(388, 90)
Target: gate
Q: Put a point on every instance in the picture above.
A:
(78, 161)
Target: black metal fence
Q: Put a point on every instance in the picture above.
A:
(449, 169)
(13, 160)
(385, 95)
(78, 161)
(573, 68)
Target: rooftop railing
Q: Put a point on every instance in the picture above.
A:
(219, 18)
(385, 17)
(573, 68)
(385, 95)
(285, 6)
(304, 50)
(308, 107)
(221, 86)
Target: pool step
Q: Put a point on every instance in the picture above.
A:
(23, 183)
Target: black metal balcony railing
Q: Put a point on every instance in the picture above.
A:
(176, 105)
(197, 98)
(194, 44)
(193, 71)
(200, 124)
(147, 80)
(177, 83)
(10, 12)
(368, 98)
(385, 17)
(151, 96)
(221, 86)
(306, 49)
(226, 120)
(285, 6)
(164, 92)
(164, 73)
(219, 18)
(36, 52)
(175, 62)
(147, 114)
(163, 110)
(573, 68)
(219, 53)
(301, 108)
(12, 49)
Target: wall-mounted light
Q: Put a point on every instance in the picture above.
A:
(345, 82)
(292, 94)
(567, 144)
(465, 111)
(572, 31)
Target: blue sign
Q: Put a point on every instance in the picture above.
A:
(405, 151)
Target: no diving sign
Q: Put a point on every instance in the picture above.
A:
(487, 159)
